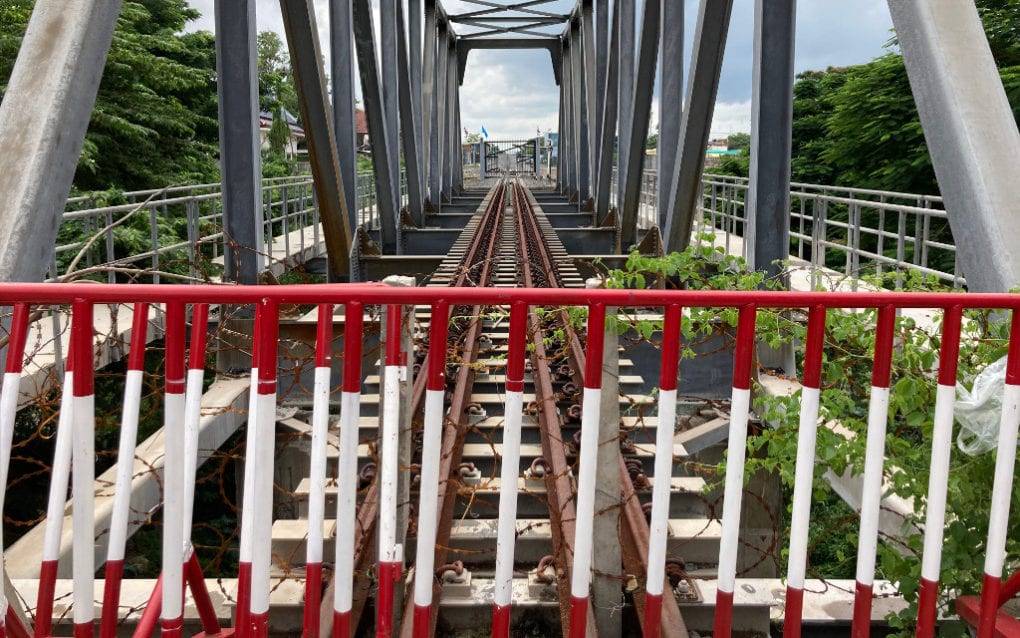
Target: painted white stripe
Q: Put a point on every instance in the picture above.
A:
(803, 479)
(192, 416)
(389, 470)
(60, 474)
(871, 489)
(428, 517)
(346, 505)
(262, 520)
(935, 506)
(8, 410)
(125, 465)
(173, 508)
(317, 491)
(509, 471)
(734, 488)
(84, 551)
(251, 436)
(659, 529)
(998, 519)
(584, 527)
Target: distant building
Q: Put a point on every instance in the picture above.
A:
(296, 138)
(360, 129)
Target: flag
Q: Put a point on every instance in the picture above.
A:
(466, 131)
(538, 131)
(485, 133)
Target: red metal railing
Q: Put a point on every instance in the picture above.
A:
(181, 405)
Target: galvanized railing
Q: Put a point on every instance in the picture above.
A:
(181, 409)
(853, 230)
(164, 232)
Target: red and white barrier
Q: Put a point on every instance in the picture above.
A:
(247, 491)
(740, 405)
(261, 459)
(509, 471)
(941, 445)
(9, 392)
(317, 478)
(173, 473)
(193, 416)
(1002, 487)
(580, 577)
(114, 570)
(390, 552)
(659, 527)
(807, 434)
(874, 457)
(59, 478)
(347, 472)
(432, 441)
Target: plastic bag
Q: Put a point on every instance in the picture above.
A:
(979, 410)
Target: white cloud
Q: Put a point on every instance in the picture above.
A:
(512, 92)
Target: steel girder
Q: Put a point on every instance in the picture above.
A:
(237, 89)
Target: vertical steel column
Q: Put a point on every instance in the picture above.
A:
(409, 123)
(671, 96)
(371, 91)
(625, 91)
(439, 116)
(600, 41)
(644, 83)
(702, 87)
(569, 121)
(561, 180)
(768, 193)
(414, 47)
(344, 118)
(971, 134)
(310, 81)
(590, 86)
(458, 173)
(581, 131)
(43, 119)
(428, 99)
(240, 148)
(607, 136)
(449, 131)
(389, 78)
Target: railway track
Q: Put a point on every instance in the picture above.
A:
(505, 454)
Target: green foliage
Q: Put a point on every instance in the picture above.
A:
(276, 79)
(738, 141)
(846, 380)
(154, 121)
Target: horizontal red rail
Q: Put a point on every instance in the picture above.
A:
(382, 294)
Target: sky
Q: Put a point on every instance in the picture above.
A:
(512, 93)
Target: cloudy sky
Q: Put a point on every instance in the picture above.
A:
(512, 93)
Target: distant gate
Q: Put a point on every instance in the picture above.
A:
(511, 157)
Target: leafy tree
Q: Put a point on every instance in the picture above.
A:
(276, 79)
(154, 121)
(738, 141)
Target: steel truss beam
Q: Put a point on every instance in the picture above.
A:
(310, 81)
(625, 91)
(581, 131)
(379, 133)
(642, 103)
(43, 119)
(695, 126)
(552, 45)
(409, 124)
(671, 96)
(971, 134)
(607, 136)
(344, 118)
(768, 195)
(240, 148)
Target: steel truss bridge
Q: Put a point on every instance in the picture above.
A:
(456, 471)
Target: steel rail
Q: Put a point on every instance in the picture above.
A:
(480, 256)
(634, 528)
(562, 511)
